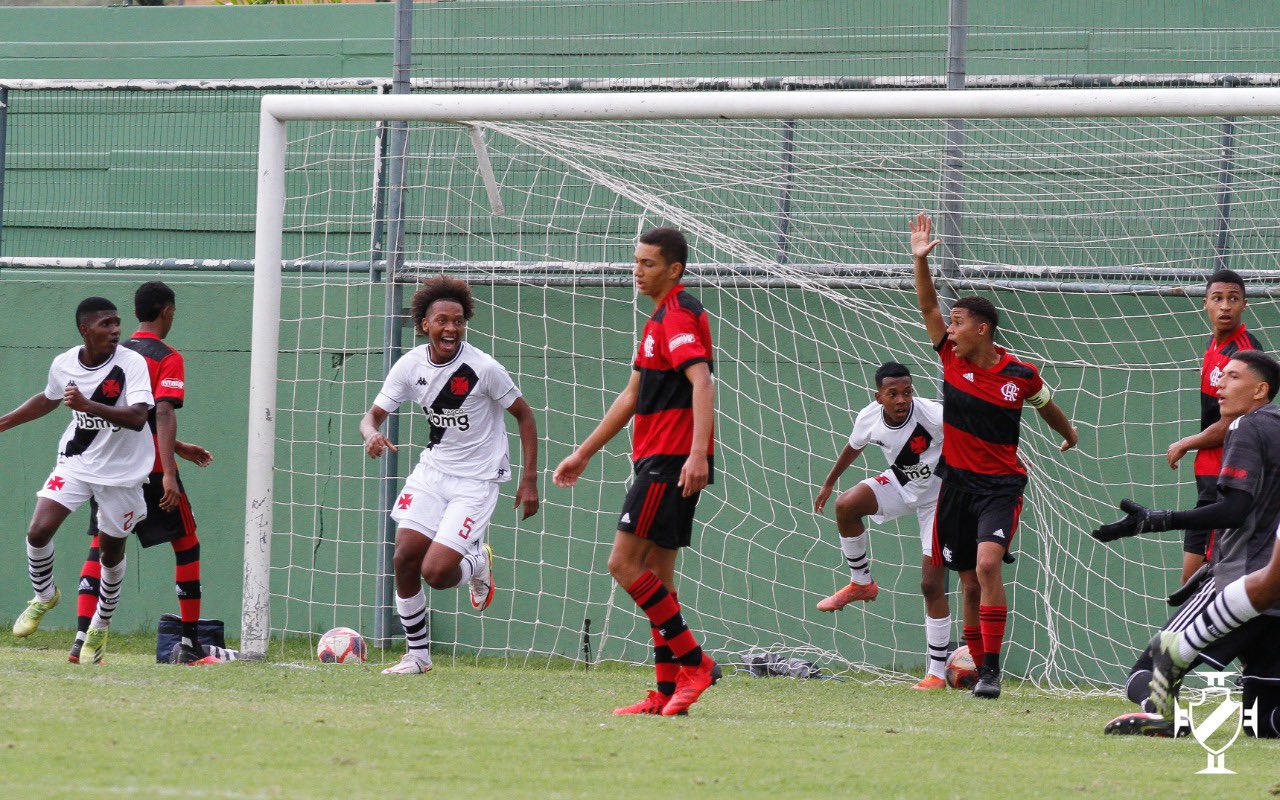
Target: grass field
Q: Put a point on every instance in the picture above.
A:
(279, 729)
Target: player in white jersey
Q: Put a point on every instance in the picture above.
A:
(105, 454)
(908, 429)
(446, 504)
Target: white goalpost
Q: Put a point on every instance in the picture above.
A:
(1090, 217)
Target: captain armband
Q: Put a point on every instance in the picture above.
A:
(1040, 399)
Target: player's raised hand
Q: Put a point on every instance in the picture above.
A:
(527, 496)
(922, 243)
(377, 444)
(824, 494)
(1138, 519)
(570, 469)
(72, 398)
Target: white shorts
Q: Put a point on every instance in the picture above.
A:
(892, 504)
(451, 511)
(120, 508)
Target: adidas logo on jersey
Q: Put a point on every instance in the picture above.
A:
(968, 376)
(999, 534)
(626, 517)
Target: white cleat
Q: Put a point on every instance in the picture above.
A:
(409, 665)
(482, 585)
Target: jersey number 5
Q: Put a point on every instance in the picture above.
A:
(128, 520)
(465, 532)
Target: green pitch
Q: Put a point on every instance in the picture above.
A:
(302, 730)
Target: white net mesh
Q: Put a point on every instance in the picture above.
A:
(1091, 236)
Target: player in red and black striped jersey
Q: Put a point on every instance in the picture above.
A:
(980, 500)
(1224, 303)
(672, 397)
(169, 516)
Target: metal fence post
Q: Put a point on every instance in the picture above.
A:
(387, 623)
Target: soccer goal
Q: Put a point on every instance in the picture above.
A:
(1090, 217)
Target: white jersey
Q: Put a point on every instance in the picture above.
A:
(912, 448)
(92, 449)
(464, 401)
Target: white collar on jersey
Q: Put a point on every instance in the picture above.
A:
(461, 346)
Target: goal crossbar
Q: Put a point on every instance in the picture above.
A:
(278, 110)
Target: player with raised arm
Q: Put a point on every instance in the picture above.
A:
(169, 516)
(980, 499)
(1224, 303)
(672, 397)
(105, 454)
(1218, 625)
(448, 500)
(908, 429)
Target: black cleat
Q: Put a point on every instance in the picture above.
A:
(76, 647)
(190, 656)
(988, 685)
(1139, 723)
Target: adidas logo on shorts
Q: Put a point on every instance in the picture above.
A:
(626, 517)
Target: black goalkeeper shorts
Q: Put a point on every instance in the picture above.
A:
(1196, 542)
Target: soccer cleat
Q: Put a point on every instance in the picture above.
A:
(1139, 723)
(988, 685)
(74, 655)
(29, 619)
(482, 588)
(409, 665)
(1167, 671)
(191, 656)
(653, 703)
(849, 594)
(931, 683)
(690, 684)
(95, 646)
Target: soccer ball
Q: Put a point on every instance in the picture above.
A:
(961, 672)
(341, 646)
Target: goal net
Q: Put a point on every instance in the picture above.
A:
(1092, 235)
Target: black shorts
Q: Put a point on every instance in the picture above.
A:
(1196, 542)
(965, 518)
(654, 510)
(160, 526)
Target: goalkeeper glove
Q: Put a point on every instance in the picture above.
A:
(1138, 519)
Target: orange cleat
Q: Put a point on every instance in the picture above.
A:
(651, 704)
(930, 683)
(849, 594)
(690, 684)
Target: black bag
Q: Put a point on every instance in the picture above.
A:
(169, 635)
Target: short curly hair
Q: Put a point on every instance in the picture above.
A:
(441, 287)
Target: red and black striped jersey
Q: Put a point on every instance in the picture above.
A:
(677, 336)
(168, 378)
(981, 419)
(1216, 356)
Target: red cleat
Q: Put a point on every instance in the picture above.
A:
(652, 704)
(690, 685)
(930, 683)
(849, 594)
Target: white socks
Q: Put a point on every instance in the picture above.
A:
(1228, 611)
(855, 555)
(40, 568)
(413, 618)
(108, 595)
(937, 632)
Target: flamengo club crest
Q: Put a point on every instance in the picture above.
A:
(1215, 719)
